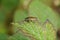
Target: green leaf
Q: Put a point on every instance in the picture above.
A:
(37, 31)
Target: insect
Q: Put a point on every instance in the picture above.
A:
(31, 19)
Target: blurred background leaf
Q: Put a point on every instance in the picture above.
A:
(44, 13)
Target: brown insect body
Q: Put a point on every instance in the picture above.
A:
(30, 19)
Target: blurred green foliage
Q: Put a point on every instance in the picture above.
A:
(36, 30)
(44, 13)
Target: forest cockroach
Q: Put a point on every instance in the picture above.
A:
(31, 19)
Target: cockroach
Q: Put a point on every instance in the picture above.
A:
(30, 19)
